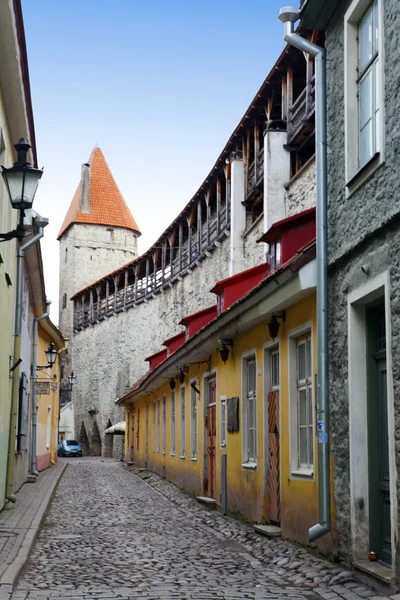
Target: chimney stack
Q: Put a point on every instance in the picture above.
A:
(84, 199)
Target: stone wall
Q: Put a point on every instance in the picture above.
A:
(109, 356)
(85, 256)
(253, 252)
(300, 192)
(362, 230)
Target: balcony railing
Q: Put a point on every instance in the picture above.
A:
(301, 110)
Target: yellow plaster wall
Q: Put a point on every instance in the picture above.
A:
(8, 220)
(247, 489)
(47, 455)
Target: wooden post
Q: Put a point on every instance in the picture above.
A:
(163, 260)
(171, 240)
(199, 228)
(98, 292)
(289, 97)
(154, 270)
(284, 105)
(207, 197)
(107, 294)
(256, 150)
(147, 276)
(218, 207)
(126, 286)
(91, 311)
(135, 270)
(189, 241)
(116, 281)
(180, 245)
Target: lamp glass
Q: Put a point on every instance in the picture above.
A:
(51, 355)
(224, 353)
(71, 379)
(273, 327)
(21, 183)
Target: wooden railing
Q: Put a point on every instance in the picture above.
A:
(255, 172)
(89, 308)
(302, 109)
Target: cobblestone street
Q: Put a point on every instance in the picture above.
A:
(111, 535)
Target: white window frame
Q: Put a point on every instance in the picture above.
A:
(296, 471)
(183, 422)
(153, 437)
(164, 425)
(158, 425)
(173, 423)
(357, 174)
(223, 404)
(48, 428)
(193, 421)
(248, 460)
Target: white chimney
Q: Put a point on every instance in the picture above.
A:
(84, 199)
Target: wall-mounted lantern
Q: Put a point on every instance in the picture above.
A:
(273, 324)
(224, 350)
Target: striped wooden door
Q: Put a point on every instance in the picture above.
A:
(274, 457)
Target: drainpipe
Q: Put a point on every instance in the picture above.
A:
(40, 223)
(289, 15)
(34, 470)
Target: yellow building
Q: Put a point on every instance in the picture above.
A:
(16, 121)
(226, 411)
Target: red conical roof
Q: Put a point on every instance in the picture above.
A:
(107, 204)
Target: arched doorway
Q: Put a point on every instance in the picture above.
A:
(84, 440)
(95, 442)
(108, 442)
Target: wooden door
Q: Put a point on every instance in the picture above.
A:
(211, 424)
(132, 435)
(274, 458)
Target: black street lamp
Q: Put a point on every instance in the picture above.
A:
(71, 381)
(21, 181)
(51, 355)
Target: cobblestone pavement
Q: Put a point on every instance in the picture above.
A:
(110, 535)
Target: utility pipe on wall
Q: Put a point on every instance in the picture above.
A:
(40, 224)
(289, 15)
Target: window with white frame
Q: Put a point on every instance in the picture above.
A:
(158, 426)
(274, 255)
(223, 421)
(183, 423)
(48, 429)
(250, 410)
(274, 369)
(305, 405)
(363, 84)
(164, 425)
(154, 431)
(173, 423)
(193, 423)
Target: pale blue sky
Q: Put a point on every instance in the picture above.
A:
(159, 85)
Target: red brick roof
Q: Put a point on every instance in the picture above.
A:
(107, 204)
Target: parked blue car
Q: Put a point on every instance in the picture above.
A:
(69, 448)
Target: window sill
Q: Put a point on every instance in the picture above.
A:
(193, 458)
(250, 466)
(223, 446)
(303, 472)
(364, 173)
(182, 457)
(173, 454)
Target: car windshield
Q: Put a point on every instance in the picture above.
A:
(71, 443)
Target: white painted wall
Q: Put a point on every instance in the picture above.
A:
(238, 216)
(67, 427)
(276, 175)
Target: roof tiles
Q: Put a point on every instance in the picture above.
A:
(107, 204)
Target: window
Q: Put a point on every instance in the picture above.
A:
(137, 429)
(193, 423)
(66, 254)
(109, 235)
(363, 86)
(274, 366)
(223, 421)
(305, 413)
(183, 423)
(250, 411)
(173, 425)
(48, 429)
(64, 301)
(164, 425)
(153, 437)
(158, 426)
(274, 255)
(23, 413)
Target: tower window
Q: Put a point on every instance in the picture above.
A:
(64, 301)
(66, 254)
(109, 235)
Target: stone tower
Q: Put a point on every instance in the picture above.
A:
(98, 235)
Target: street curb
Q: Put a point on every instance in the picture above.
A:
(10, 576)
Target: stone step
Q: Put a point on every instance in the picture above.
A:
(268, 530)
(209, 503)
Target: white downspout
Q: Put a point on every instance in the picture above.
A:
(289, 15)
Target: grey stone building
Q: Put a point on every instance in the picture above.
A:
(363, 110)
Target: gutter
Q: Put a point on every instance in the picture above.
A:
(289, 15)
(41, 223)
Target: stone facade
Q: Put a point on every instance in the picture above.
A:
(363, 246)
(300, 192)
(87, 252)
(131, 336)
